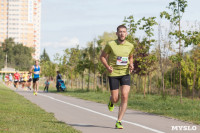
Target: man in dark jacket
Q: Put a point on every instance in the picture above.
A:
(58, 77)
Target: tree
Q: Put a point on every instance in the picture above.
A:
(177, 8)
(18, 56)
(44, 56)
(143, 59)
(148, 29)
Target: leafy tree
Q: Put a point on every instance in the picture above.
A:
(143, 60)
(18, 56)
(177, 8)
(44, 56)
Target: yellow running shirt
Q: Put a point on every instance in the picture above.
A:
(25, 77)
(118, 57)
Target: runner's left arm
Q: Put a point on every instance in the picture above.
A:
(131, 67)
(40, 70)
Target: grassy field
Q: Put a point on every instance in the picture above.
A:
(189, 110)
(18, 115)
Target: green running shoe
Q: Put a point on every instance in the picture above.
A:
(119, 125)
(110, 106)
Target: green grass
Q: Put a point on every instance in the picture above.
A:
(189, 110)
(18, 115)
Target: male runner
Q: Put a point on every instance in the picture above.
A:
(16, 79)
(36, 69)
(29, 80)
(25, 79)
(117, 57)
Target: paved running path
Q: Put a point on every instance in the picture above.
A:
(91, 117)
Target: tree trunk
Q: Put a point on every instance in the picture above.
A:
(180, 85)
(171, 79)
(71, 82)
(145, 85)
(150, 83)
(101, 81)
(194, 78)
(82, 80)
(139, 83)
(94, 85)
(88, 88)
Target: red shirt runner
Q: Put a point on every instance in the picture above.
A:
(16, 76)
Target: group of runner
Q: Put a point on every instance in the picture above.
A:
(25, 79)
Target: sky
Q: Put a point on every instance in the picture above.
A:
(67, 23)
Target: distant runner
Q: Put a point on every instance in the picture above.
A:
(29, 80)
(117, 57)
(7, 79)
(36, 69)
(10, 79)
(25, 79)
(16, 79)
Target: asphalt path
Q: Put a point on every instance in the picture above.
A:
(91, 117)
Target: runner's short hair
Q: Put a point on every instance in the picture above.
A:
(121, 26)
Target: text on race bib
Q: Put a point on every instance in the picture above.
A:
(122, 60)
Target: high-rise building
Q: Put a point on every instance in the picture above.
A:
(20, 19)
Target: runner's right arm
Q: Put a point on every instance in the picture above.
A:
(31, 70)
(104, 61)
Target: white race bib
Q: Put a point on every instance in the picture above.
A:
(37, 72)
(122, 60)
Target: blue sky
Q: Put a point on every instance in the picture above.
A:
(66, 23)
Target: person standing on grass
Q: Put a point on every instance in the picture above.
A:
(36, 70)
(46, 85)
(58, 77)
(117, 57)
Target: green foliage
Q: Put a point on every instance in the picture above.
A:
(177, 8)
(143, 59)
(48, 69)
(148, 26)
(44, 56)
(18, 56)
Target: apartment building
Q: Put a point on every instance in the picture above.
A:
(20, 19)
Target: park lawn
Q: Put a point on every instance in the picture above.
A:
(18, 115)
(170, 106)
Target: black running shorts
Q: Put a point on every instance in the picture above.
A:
(119, 80)
(35, 79)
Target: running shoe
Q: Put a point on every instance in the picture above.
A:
(110, 106)
(119, 125)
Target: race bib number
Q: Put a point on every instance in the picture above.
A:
(122, 60)
(37, 72)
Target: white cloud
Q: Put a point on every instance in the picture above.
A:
(62, 44)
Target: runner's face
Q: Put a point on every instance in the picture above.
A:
(36, 63)
(121, 34)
